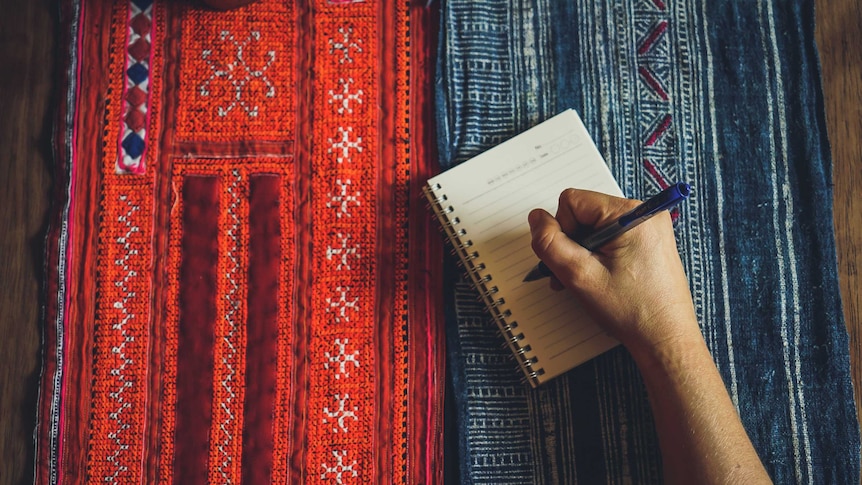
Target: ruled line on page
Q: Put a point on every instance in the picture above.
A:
(515, 262)
(577, 344)
(518, 213)
(539, 175)
(493, 194)
(540, 168)
(496, 186)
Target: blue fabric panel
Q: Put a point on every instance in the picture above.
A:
(724, 95)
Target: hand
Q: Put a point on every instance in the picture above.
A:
(636, 288)
(634, 285)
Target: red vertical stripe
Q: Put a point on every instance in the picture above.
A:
(262, 328)
(197, 306)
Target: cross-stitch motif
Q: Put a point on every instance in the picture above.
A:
(228, 369)
(200, 350)
(339, 361)
(341, 201)
(125, 339)
(121, 330)
(342, 306)
(343, 253)
(345, 45)
(345, 141)
(340, 469)
(230, 328)
(345, 99)
(239, 74)
(341, 414)
(237, 77)
(345, 322)
(122, 336)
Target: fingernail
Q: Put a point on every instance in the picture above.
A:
(531, 217)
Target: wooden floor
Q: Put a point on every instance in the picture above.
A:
(27, 63)
(839, 40)
(27, 73)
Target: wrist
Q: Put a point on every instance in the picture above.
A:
(669, 355)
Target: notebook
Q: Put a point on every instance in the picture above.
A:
(483, 204)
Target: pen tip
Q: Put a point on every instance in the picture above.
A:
(533, 275)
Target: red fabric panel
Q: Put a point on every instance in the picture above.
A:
(195, 341)
(262, 328)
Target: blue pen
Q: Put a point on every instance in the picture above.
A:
(664, 200)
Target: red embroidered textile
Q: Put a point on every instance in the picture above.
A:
(238, 282)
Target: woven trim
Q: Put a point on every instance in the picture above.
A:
(123, 285)
(342, 357)
(401, 434)
(136, 93)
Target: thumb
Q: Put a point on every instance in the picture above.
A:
(563, 256)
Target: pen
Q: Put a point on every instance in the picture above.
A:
(664, 200)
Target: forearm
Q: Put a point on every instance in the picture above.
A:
(701, 435)
(635, 286)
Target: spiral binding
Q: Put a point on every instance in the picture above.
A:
(469, 260)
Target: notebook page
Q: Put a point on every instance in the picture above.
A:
(492, 194)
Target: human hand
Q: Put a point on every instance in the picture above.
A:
(634, 286)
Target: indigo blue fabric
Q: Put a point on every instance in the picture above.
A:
(724, 95)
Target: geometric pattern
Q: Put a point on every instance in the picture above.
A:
(133, 137)
(343, 294)
(236, 74)
(233, 303)
(651, 23)
(726, 96)
(239, 81)
(118, 396)
(239, 278)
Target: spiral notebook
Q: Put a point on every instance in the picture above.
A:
(483, 205)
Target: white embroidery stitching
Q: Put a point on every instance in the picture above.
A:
(343, 99)
(340, 305)
(344, 45)
(339, 469)
(342, 200)
(120, 350)
(341, 414)
(342, 252)
(341, 359)
(238, 73)
(345, 144)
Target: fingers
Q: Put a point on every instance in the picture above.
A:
(581, 210)
(544, 229)
(551, 245)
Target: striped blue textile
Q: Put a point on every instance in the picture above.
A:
(724, 95)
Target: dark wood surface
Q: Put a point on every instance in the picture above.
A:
(27, 75)
(27, 63)
(839, 40)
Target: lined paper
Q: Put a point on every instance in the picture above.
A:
(490, 196)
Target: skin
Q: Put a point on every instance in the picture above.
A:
(636, 288)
